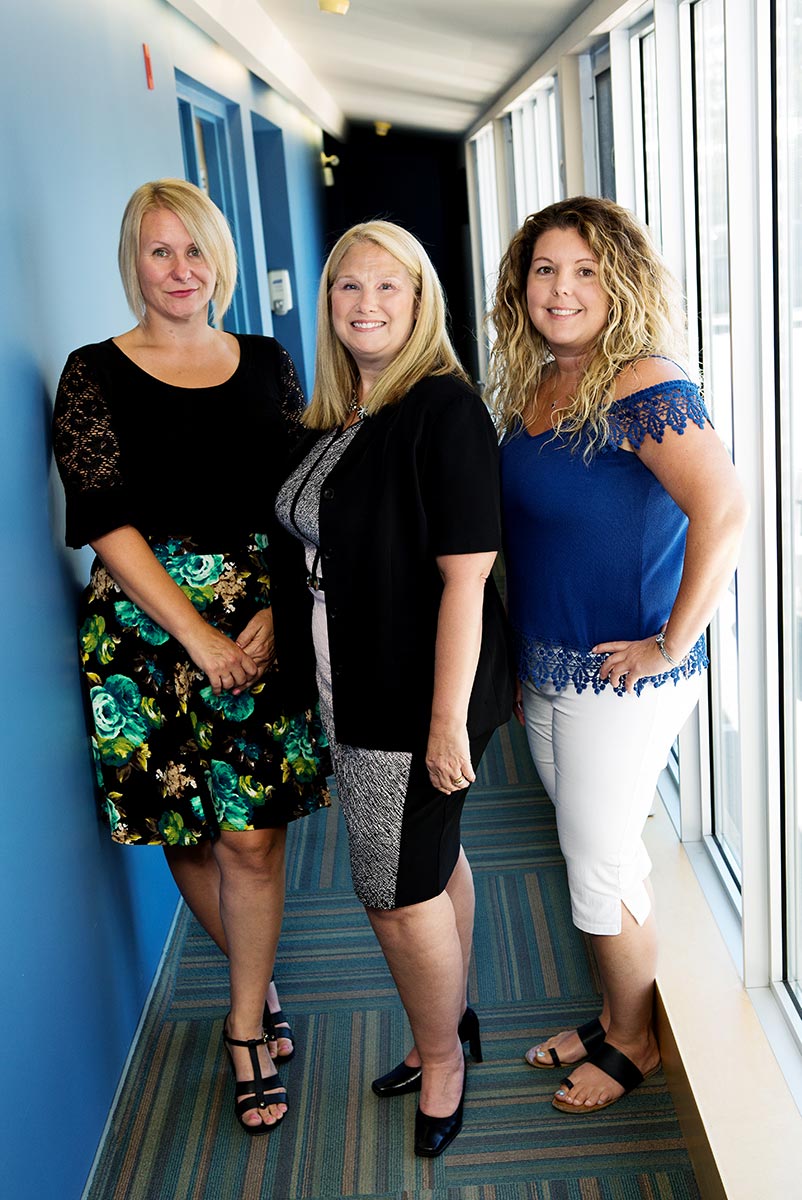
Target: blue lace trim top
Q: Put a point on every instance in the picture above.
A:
(540, 662)
(594, 549)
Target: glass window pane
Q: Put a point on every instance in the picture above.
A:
(551, 186)
(604, 133)
(710, 129)
(789, 180)
(524, 155)
(484, 146)
(651, 140)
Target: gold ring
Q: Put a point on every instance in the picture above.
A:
(458, 782)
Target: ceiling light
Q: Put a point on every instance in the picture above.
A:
(382, 128)
(334, 6)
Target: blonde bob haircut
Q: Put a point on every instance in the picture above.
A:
(427, 352)
(646, 317)
(205, 224)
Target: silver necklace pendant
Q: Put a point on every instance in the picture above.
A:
(356, 407)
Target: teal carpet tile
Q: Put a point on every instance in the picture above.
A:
(174, 1136)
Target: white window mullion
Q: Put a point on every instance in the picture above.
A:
(623, 134)
(672, 99)
(751, 407)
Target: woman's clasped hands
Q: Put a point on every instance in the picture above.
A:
(232, 665)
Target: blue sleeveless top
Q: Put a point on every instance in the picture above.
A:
(594, 549)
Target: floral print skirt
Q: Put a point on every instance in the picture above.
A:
(174, 762)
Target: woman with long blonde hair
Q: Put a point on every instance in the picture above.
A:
(396, 502)
(622, 520)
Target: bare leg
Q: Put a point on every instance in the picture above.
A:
(460, 890)
(424, 951)
(197, 876)
(251, 866)
(627, 964)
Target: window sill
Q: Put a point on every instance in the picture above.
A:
(738, 1116)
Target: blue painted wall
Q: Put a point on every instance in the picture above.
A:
(83, 922)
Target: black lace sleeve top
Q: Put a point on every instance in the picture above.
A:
(173, 461)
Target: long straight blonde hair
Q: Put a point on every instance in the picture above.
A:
(427, 352)
(646, 317)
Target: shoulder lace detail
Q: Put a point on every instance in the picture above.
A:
(292, 399)
(546, 662)
(652, 410)
(85, 443)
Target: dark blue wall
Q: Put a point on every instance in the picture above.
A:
(83, 921)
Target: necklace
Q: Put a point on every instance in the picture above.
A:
(354, 409)
(359, 409)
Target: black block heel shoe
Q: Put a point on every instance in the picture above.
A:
(403, 1079)
(468, 1031)
(434, 1134)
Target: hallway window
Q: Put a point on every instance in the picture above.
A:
(712, 246)
(789, 282)
(535, 152)
(647, 136)
(489, 235)
(603, 108)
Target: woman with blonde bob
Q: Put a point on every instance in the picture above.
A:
(395, 498)
(622, 520)
(200, 744)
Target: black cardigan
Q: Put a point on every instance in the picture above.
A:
(418, 481)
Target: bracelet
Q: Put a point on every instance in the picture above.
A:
(660, 638)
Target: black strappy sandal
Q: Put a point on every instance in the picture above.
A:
(271, 1022)
(591, 1035)
(277, 1026)
(256, 1093)
(615, 1064)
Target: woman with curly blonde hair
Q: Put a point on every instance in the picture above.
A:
(622, 520)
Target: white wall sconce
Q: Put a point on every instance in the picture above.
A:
(327, 161)
(334, 6)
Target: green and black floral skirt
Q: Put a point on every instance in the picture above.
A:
(174, 762)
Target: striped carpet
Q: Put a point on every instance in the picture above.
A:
(174, 1137)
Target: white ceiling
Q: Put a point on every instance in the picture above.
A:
(422, 64)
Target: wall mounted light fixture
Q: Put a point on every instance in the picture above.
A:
(334, 6)
(327, 161)
(382, 128)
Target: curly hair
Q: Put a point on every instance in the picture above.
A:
(428, 351)
(646, 316)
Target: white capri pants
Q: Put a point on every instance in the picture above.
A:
(599, 757)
